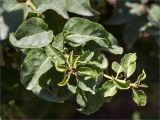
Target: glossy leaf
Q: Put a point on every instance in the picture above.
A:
(34, 66)
(109, 88)
(55, 54)
(128, 63)
(139, 97)
(35, 41)
(30, 27)
(78, 31)
(64, 6)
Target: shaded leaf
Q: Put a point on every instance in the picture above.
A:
(12, 15)
(101, 61)
(88, 78)
(81, 98)
(93, 103)
(34, 66)
(45, 93)
(122, 84)
(132, 30)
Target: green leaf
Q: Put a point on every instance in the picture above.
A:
(44, 92)
(109, 88)
(88, 78)
(154, 14)
(89, 70)
(139, 97)
(87, 83)
(101, 61)
(86, 56)
(57, 5)
(7, 5)
(93, 102)
(35, 41)
(55, 54)
(143, 85)
(65, 80)
(128, 62)
(81, 98)
(83, 6)
(58, 42)
(135, 8)
(12, 15)
(64, 6)
(61, 68)
(34, 66)
(122, 84)
(64, 92)
(78, 31)
(75, 61)
(70, 58)
(117, 67)
(30, 27)
(142, 76)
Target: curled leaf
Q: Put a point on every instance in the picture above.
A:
(65, 80)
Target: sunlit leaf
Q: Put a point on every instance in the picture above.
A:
(55, 54)
(109, 88)
(65, 80)
(139, 97)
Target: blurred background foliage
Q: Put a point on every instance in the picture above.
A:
(136, 25)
